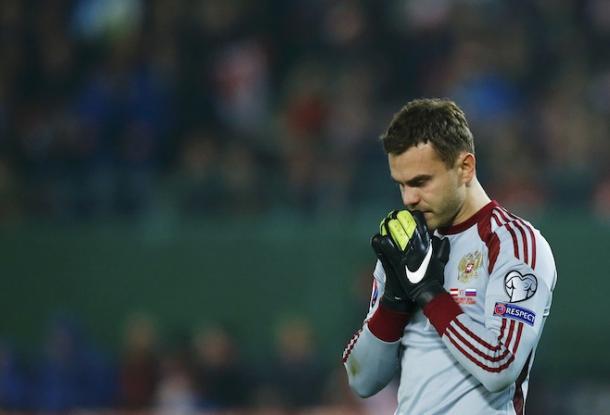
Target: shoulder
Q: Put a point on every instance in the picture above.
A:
(519, 243)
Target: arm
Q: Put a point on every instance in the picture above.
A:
(371, 358)
(517, 301)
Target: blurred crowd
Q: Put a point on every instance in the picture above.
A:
(205, 371)
(201, 107)
(198, 371)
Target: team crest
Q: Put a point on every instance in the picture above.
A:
(469, 265)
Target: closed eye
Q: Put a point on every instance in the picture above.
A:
(417, 181)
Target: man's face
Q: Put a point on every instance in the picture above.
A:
(428, 185)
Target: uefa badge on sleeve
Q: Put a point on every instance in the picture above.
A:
(520, 287)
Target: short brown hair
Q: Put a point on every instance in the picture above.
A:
(438, 121)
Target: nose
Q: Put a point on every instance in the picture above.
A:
(410, 196)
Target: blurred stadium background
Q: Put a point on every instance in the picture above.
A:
(188, 187)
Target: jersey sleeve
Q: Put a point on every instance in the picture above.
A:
(496, 347)
(371, 357)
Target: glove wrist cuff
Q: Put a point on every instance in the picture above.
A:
(402, 306)
(387, 324)
(442, 311)
(428, 293)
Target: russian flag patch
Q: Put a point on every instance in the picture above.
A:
(463, 295)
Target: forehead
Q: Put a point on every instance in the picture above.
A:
(421, 159)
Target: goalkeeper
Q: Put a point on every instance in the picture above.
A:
(462, 287)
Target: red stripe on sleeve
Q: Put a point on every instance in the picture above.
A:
(532, 238)
(491, 241)
(511, 230)
(478, 339)
(529, 228)
(525, 244)
(501, 335)
(502, 328)
(522, 226)
(518, 339)
(477, 362)
(510, 332)
(513, 235)
(498, 221)
(485, 356)
(518, 398)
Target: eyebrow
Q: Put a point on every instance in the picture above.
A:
(415, 181)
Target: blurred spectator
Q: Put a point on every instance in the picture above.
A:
(240, 77)
(198, 180)
(512, 167)
(138, 365)
(241, 178)
(222, 377)
(177, 391)
(569, 137)
(347, 129)
(601, 200)
(304, 112)
(72, 373)
(13, 381)
(297, 370)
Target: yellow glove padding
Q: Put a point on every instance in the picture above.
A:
(400, 224)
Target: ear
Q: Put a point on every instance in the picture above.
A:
(467, 167)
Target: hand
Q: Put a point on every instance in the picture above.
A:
(394, 296)
(416, 259)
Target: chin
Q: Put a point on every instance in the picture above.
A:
(435, 223)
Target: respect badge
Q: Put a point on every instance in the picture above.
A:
(512, 311)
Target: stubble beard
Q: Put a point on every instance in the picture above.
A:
(445, 217)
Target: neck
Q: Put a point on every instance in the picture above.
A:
(475, 199)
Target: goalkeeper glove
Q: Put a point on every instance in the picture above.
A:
(416, 259)
(394, 296)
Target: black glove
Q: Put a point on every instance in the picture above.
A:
(394, 296)
(416, 259)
